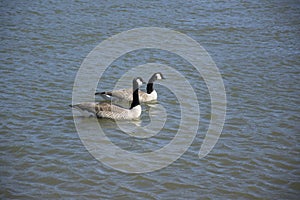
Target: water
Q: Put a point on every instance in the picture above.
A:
(254, 44)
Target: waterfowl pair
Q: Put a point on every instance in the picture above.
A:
(111, 111)
(126, 94)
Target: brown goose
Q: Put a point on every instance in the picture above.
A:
(126, 94)
(111, 111)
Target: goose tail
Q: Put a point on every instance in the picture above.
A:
(102, 93)
(87, 108)
(105, 95)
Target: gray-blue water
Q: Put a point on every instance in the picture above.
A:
(255, 45)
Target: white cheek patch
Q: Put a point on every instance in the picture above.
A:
(139, 82)
(158, 76)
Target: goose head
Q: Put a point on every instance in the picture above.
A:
(159, 76)
(156, 76)
(137, 82)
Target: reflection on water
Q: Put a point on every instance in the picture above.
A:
(256, 47)
(158, 117)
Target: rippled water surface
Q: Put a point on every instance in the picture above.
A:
(255, 45)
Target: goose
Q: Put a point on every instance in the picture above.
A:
(111, 111)
(125, 94)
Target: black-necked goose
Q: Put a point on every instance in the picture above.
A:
(125, 94)
(111, 111)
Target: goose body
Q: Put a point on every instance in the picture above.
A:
(107, 110)
(125, 94)
(111, 111)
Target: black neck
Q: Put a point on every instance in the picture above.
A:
(150, 84)
(149, 88)
(135, 98)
